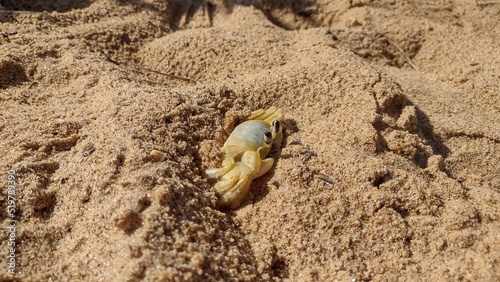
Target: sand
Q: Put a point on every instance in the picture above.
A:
(389, 169)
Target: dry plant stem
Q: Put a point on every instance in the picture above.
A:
(172, 76)
(150, 70)
(309, 48)
(482, 3)
(404, 55)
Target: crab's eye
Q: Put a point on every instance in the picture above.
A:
(268, 137)
(276, 126)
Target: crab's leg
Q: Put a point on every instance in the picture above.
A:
(256, 114)
(226, 184)
(233, 197)
(248, 168)
(219, 172)
(268, 115)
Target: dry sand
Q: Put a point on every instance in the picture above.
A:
(387, 171)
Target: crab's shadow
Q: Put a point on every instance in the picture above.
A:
(260, 187)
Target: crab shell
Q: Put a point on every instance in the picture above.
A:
(249, 136)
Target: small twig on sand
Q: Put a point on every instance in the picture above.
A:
(482, 3)
(309, 48)
(171, 75)
(145, 69)
(404, 55)
(109, 58)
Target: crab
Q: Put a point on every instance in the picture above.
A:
(244, 155)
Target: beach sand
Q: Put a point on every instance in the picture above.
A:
(389, 169)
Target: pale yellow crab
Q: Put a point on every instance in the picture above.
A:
(244, 155)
